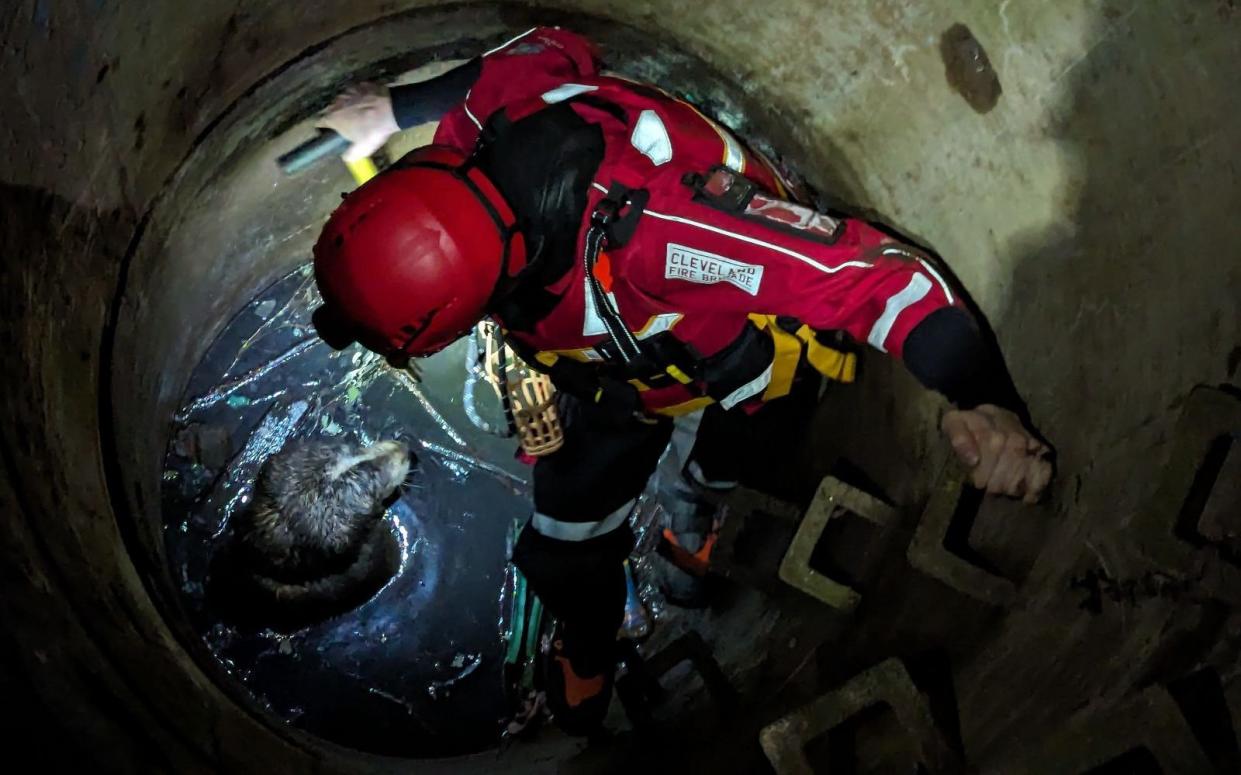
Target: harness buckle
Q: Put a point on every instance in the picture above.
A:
(618, 212)
(604, 214)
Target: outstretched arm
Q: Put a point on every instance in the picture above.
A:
(947, 353)
(883, 293)
(526, 66)
(942, 345)
(369, 113)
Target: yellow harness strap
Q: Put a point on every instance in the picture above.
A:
(828, 361)
(692, 405)
(784, 362)
(547, 358)
(789, 350)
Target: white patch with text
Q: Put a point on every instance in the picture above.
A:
(696, 266)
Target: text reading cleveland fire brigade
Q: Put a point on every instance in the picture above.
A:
(696, 266)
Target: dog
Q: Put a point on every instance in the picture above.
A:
(313, 543)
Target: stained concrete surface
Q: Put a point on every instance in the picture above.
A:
(1091, 213)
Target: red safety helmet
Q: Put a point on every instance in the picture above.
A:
(409, 261)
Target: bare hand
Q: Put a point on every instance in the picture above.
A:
(363, 115)
(1003, 457)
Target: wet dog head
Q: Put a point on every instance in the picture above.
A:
(313, 542)
(318, 499)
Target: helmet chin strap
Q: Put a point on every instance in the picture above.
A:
(510, 268)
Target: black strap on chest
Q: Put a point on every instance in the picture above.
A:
(543, 165)
(612, 224)
(654, 362)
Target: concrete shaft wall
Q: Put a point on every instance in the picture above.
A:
(1091, 211)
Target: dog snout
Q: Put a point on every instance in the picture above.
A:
(396, 457)
(398, 449)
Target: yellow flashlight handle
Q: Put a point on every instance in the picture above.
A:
(362, 169)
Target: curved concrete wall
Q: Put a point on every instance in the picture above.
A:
(1091, 211)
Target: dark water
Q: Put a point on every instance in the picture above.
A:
(415, 670)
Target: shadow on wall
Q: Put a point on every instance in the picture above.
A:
(41, 612)
(1113, 317)
(1119, 313)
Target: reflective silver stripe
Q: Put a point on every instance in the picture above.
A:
(466, 104)
(752, 241)
(592, 323)
(580, 531)
(566, 90)
(904, 252)
(942, 284)
(734, 157)
(748, 390)
(913, 293)
(659, 324)
(509, 42)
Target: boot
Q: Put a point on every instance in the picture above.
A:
(689, 533)
(578, 678)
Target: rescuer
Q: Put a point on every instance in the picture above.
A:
(655, 267)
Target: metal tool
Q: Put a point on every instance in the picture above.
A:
(326, 143)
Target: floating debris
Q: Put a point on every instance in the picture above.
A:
(438, 689)
(407, 381)
(264, 309)
(224, 391)
(473, 462)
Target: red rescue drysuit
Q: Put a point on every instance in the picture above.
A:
(702, 269)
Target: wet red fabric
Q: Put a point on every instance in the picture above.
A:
(692, 267)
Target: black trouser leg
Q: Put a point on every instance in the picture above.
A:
(718, 452)
(573, 549)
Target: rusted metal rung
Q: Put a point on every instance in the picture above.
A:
(833, 499)
(888, 683)
(927, 551)
(739, 507)
(1170, 530)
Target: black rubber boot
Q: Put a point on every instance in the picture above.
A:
(579, 676)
